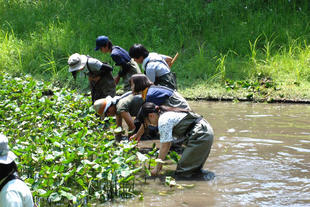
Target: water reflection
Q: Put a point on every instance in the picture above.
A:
(261, 157)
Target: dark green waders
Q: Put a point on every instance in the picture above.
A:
(198, 140)
(102, 88)
(168, 80)
(133, 68)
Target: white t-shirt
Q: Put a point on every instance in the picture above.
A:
(166, 122)
(16, 194)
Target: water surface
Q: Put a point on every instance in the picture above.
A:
(260, 155)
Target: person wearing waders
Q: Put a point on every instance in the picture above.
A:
(127, 65)
(156, 66)
(178, 123)
(99, 74)
(13, 191)
(123, 107)
(159, 95)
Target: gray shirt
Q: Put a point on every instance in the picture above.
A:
(155, 66)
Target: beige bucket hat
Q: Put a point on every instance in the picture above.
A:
(77, 62)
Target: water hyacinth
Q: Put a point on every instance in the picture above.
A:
(66, 153)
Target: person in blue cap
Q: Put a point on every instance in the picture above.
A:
(121, 58)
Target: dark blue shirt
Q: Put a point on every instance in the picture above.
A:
(120, 56)
(158, 94)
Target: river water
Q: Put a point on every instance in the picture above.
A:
(260, 156)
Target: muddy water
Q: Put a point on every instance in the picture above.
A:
(260, 155)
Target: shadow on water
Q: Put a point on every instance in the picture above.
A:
(260, 155)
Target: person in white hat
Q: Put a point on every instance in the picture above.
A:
(123, 107)
(99, 75)
(13, 191)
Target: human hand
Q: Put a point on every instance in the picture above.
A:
(155, 171)
(135, 137)
(116, 79)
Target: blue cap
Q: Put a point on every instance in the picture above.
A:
(101, 41)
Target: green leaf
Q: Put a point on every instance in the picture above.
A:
(54, 197)
(141, 157)
(68, 195)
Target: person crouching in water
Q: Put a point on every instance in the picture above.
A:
(99, 74)
(159, 95)
(180, 124)
(127, 65)
(13, 191)
(123, 107)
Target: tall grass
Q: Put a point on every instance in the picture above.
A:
(266, 36)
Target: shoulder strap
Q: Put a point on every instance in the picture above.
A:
(88, 65)
(8, 179)
(162, 61)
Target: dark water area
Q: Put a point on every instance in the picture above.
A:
(260, 156)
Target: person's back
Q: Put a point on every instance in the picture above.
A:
(120, 56)
(161, 95)
(99, 74)
(105, 85)
(129, 103)
(15, 193)
(128, 65)
(155, 66)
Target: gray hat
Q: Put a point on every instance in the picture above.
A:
(77, 62)
(6, 156)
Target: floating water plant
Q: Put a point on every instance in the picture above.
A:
(66, 154)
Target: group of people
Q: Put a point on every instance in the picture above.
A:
(150, 103)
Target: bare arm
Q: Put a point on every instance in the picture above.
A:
(119, 120)
(168, 60)
(164, 149)
(138, 135)
(129, 120)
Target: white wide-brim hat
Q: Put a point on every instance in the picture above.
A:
(6, 156)
(77, 62)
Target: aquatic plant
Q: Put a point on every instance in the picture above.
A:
(65, 153)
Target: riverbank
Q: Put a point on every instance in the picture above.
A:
(296, 95)
(228, 50)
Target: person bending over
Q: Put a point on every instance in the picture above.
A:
(99, 75)
(159, 95)
(127, 65)
(123, 107)
(156, 66)
(178, 123)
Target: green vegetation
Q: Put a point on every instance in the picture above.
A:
(219, 41)
(247, 49)
(66, 153)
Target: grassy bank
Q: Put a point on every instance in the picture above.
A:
(254, 49)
